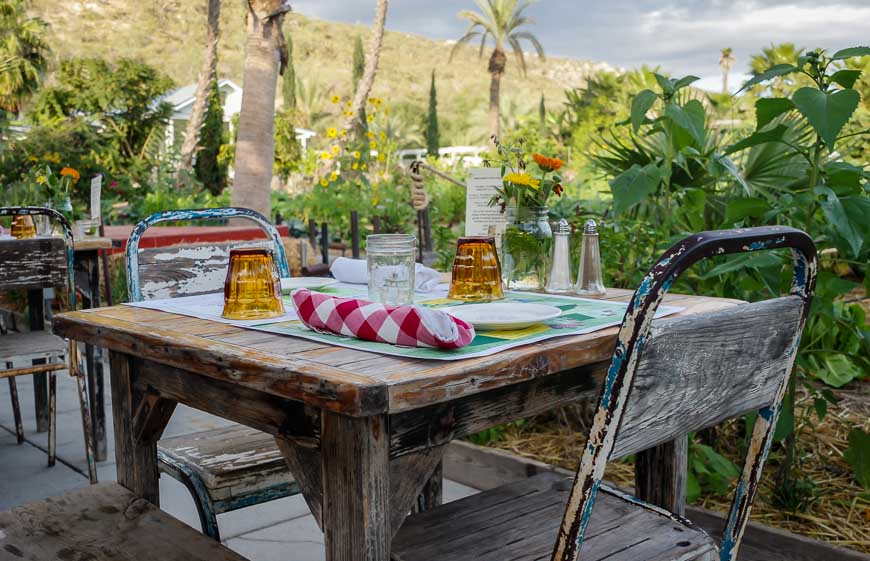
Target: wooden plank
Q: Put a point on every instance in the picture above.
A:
(135, 453)
(184, 270)
(304, 462)
(91, 243)
(487, 468)
(102, 522)
(32, 263)
(660, 475)
(356, 488)
(520, 521)
(265, 412)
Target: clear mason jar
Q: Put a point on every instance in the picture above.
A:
(526, 248)
(391, 264)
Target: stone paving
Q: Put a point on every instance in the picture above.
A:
(261, 533)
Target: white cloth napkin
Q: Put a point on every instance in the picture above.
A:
(355, 271)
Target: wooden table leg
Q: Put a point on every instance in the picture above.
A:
(356, 488)
(432, 494)
(93, 356)
(660, 475)
(35, 303)
(139, 422)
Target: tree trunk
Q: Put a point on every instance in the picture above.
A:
(364, 87)
(209, 67)
(496, 69)
(255, 144)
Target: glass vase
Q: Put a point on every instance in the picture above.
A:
(526, 248)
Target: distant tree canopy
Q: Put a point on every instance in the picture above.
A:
(120, 99)
(23, 49)
(209, 169)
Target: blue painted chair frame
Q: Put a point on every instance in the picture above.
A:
(207, 509)
(634, 331)
(134, 288)
(72, 357)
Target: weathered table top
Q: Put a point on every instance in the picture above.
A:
(344, 380)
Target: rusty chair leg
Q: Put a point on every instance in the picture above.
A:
(16, 410)
(52, 418)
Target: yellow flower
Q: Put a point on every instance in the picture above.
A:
(336, 150)
(355, 165)
(373, 144)
(522, 179)
(370, 119)
(343, 133)
(370, 134)
(364, 166)
(374, 201)
(356, 154)
(324, 183)
(378, 102)
(382, 157)
(41, 179)
(333, 176)
(32, 159)
(71, 172)
(382, 135)
(325, 156)
(335, 98)
(332, 132)
(381, 173)
(348, 104)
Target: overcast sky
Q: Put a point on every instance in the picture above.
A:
(682, 37)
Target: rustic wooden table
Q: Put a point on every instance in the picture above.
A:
(363, 433)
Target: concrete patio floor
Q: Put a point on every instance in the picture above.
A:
(261, 533)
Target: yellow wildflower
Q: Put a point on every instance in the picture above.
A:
(325, 156)
(356, 154)
(374, 201)
(324, 183)
(343, 133)
(382, 135)
(348, 104)
(378, 102)
(335, 98)
(333, 176)
(381, 173)
(522, 179)
(370, 119)
(41, 179)
(332, 132)
(336, 150)
(382, 157)
(373, 144)
(364, 166)
(370, 134)
(32, 159)
(355, 165)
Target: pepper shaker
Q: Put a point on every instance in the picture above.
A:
(560, 272)
(589, 281)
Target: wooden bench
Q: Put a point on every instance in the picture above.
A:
(226, 469)
(102, 522)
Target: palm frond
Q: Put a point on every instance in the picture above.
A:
(533, 40)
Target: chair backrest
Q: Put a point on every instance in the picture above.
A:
(191, 269)
(673, 376)
(39, 262)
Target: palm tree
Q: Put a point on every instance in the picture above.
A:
(726, 61)
(784, 53)
(203, 87)
(498, 21)
(255, 145)
(23, 50)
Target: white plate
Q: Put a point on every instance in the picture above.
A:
(500, 315)
(288, 285)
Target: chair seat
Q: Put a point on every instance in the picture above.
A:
(231, 462)
(19, 350)
(520, 521)
(103, 522)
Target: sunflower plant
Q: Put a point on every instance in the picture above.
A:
(522, 186)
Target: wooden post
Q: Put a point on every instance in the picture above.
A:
(36, 304)
(324, 243)
(427, 229)
(139, 423)
(432, 494)
(420, 236)
(376, 224)
(660, 475)
(312, 232)
(354, 233)
(94, 360)
(356, 487)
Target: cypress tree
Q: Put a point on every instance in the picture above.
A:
(208, 169)
(542, 113)
(433, 137)
(288, 85)
(359, 67)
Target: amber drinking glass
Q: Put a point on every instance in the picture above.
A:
(23, 227)
(476, 270)
(252, 289)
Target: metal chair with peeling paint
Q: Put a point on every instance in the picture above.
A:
(41, 352)
(228, 468)
(731, 361)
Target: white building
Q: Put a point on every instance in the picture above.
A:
(182, 100)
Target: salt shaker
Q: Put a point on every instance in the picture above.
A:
(560, 272)
(589, 282)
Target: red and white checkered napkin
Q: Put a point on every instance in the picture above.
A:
(408, 326)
